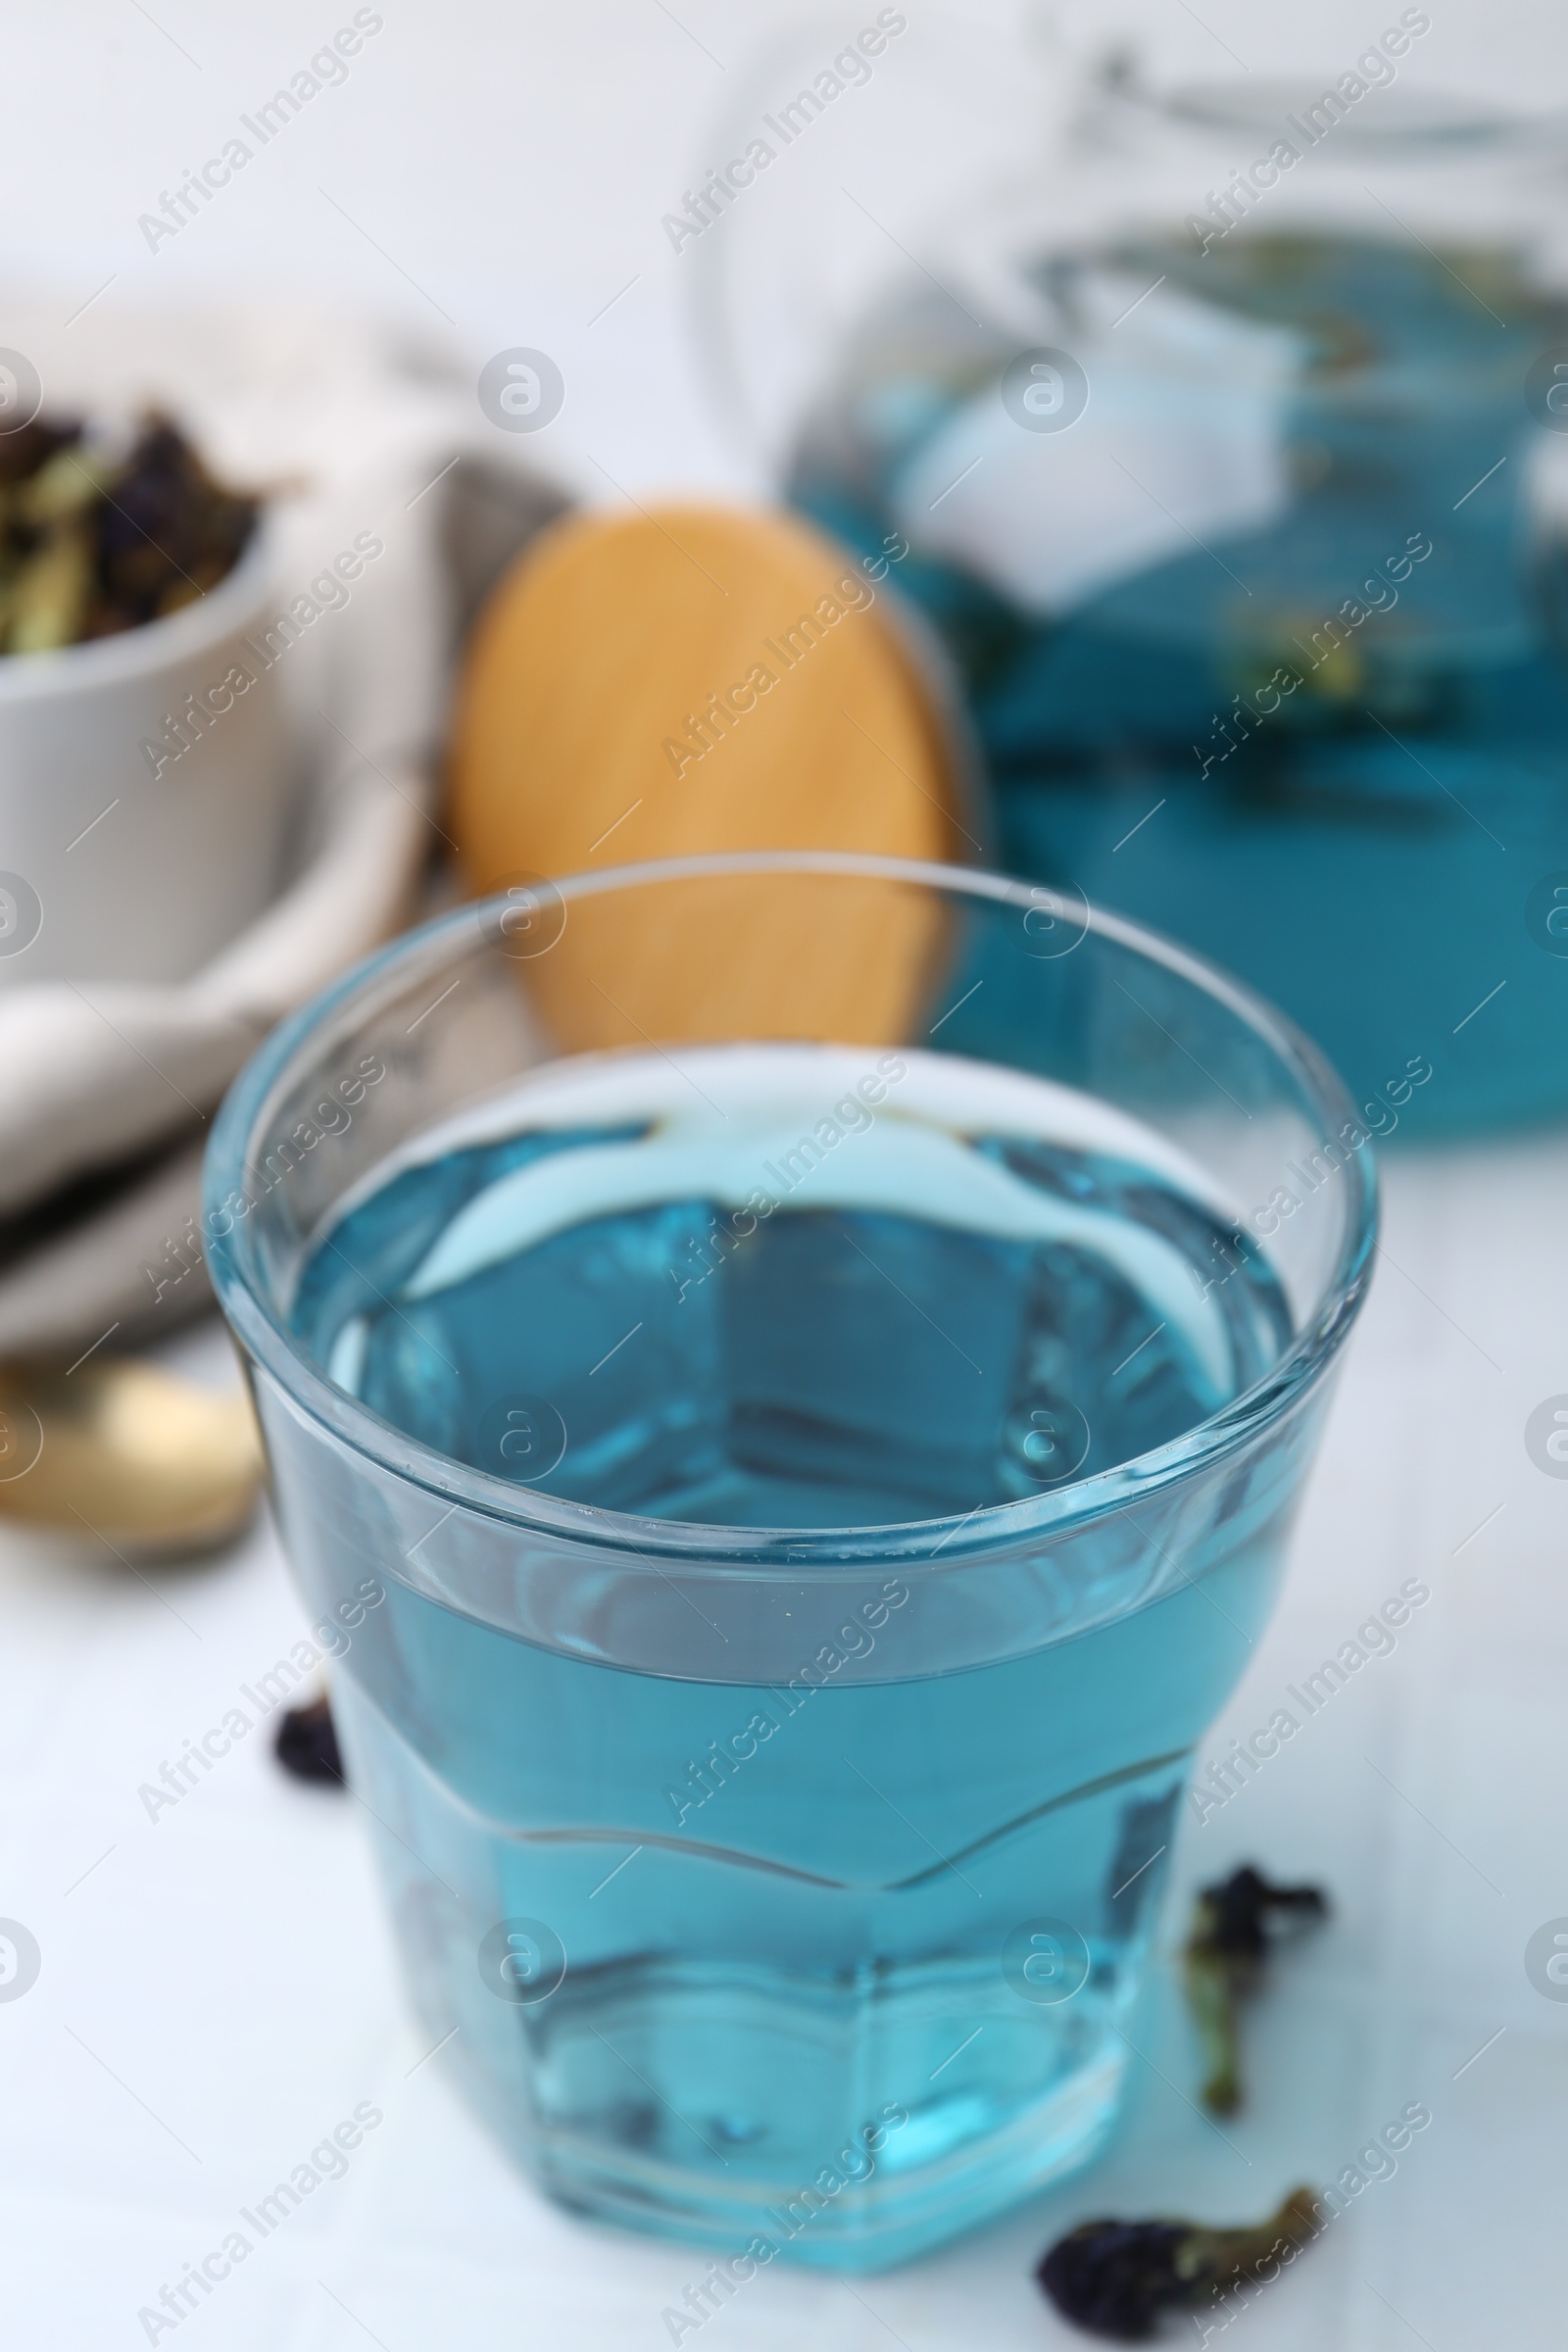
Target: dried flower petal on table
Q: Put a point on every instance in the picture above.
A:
(1116, 2278)
(307, 1743)
(1234, 1924)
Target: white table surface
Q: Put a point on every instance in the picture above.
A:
(217, 1989)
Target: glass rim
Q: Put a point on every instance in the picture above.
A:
(787, 1555)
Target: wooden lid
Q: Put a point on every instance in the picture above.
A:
(694, 680)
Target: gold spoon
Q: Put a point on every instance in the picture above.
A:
(144, 1461)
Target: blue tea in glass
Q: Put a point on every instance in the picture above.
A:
(821, 1485)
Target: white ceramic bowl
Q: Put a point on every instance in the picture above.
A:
(122, 855)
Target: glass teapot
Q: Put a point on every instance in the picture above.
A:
(1231, 452)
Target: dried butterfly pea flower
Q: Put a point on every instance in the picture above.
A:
(52, 590)
(65, 484)
(30, 446)
(307, 1743)
(1117, 2279)
(1234, 1924)
(95, 540)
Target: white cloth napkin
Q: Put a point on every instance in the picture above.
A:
(108, 1090)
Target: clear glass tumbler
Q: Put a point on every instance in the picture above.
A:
(793, 1374)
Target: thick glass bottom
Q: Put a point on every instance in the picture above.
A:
(731, 2052)
(868, 2186)
(911, 2203)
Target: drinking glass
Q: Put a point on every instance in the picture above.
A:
(787, 1377)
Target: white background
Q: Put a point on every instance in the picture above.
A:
(216, 1992)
